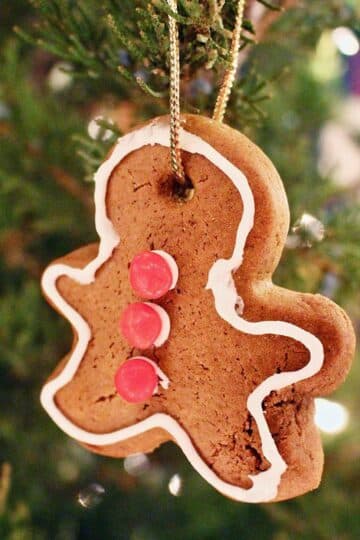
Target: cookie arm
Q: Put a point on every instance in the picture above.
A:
(327, 321)
(76, 259)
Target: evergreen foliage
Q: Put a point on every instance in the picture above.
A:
(116, 52)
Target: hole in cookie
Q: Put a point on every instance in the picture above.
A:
(180, 191)
(184, 191)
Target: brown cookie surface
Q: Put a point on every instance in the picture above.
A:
(213, 367)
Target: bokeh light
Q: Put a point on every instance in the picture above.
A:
(175, 485)
(136, 464)
(346, 41)
(91, 495)
(60, 77)
(98, 132)
(330, 417)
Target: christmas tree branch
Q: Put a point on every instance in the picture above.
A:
(5, 482)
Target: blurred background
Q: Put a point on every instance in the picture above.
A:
(73, 76)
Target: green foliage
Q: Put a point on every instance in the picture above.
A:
(118, 52)
(93, 36)
(92, 150)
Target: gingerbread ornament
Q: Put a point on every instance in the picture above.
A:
(180, 333)
(235, 386)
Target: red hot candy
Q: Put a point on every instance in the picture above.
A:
(153, 274)
(136, 380)
(144, 325)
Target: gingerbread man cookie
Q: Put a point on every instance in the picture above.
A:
(180, 333)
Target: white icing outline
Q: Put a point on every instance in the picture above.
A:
(265, 483)
(165, 323)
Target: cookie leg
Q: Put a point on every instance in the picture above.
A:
(291, 421)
